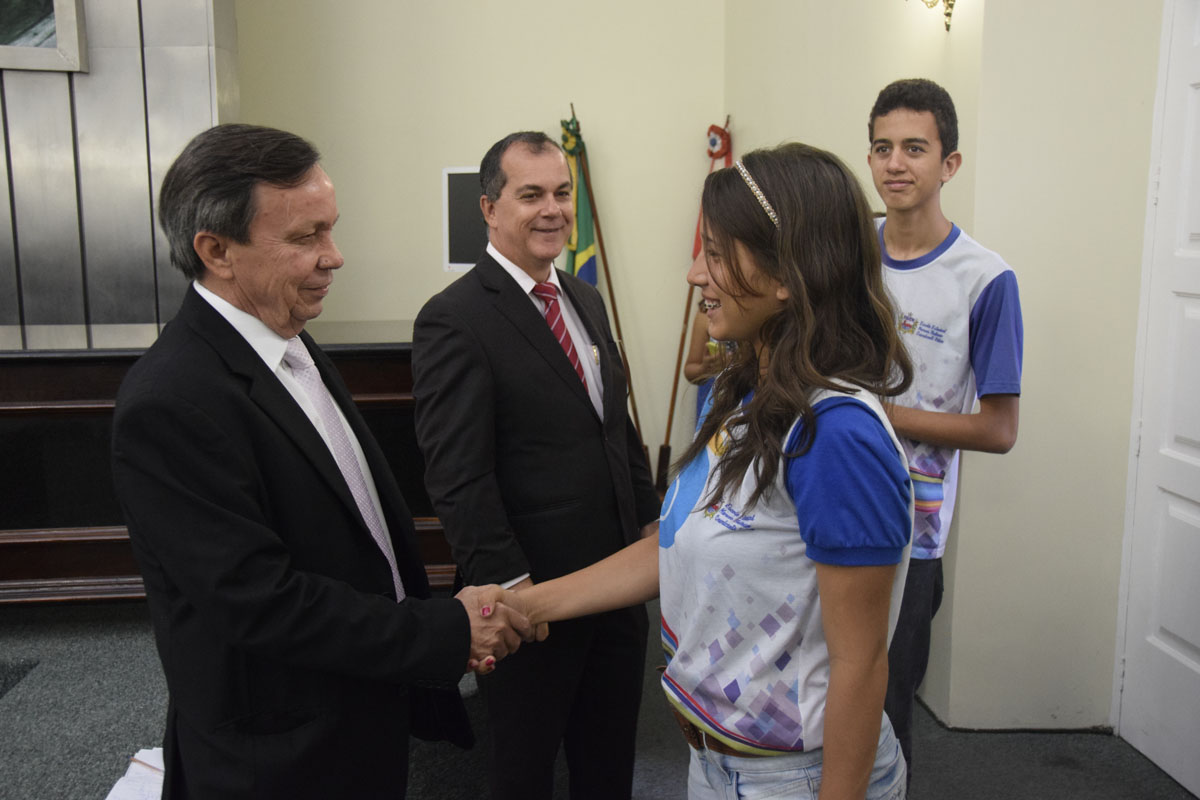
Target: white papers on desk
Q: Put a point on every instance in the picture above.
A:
(144, 778)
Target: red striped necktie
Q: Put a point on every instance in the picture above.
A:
(548, 294)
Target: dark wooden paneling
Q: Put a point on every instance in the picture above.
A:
(61, 533)
(47, 382)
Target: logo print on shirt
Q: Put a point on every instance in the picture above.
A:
(729, 517)
(908, 323)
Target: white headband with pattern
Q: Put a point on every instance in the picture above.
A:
(762, 198)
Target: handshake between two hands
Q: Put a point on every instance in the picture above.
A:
(498, 624)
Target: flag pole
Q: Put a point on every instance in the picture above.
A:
(664, 451)
(721, 147)
(612, 300)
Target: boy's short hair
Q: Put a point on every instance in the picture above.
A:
(919, 94)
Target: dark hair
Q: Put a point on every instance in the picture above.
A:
(210, 187)
(919, 94)
(491, 177)
(837, 327)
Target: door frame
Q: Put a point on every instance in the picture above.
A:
(1169, 16)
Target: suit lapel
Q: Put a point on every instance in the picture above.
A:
(516, 306)
(267, 392)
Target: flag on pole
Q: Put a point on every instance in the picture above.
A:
(581, 247)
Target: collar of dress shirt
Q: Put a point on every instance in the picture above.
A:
(521, 276)
(269, 345)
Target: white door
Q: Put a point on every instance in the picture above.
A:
(1159, 710)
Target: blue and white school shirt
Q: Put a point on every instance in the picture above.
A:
(741, 616)
(959, 315)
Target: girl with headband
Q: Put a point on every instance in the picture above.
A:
(784, 538)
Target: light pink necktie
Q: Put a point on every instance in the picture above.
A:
(306, 374)
(548, 294)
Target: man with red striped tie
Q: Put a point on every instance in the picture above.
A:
(536, 470)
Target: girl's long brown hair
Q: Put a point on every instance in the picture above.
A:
(837, 328)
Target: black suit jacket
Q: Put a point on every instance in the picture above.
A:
(288, 661)
(522, 472)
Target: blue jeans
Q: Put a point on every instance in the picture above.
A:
(713, 776)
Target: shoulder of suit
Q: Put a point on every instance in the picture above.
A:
(465, 290)
(179, 363)
(578, 288)
(479, 277)
(194, 349)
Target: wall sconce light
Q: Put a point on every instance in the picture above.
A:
(949, 4)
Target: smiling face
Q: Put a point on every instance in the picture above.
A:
(531, 220)
(283, 273)
(906, 161)
(734, 314)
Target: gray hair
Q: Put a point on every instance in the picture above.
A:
(210, 187)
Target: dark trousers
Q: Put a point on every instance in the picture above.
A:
(581, 689)
(908, 656)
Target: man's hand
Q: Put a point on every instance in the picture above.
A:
(496, 629)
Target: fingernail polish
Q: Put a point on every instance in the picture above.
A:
(486, 611)
(489, 661)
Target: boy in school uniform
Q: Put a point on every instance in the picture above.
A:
(960, 313)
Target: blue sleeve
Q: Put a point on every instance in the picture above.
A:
(851, 490)
(997, 337)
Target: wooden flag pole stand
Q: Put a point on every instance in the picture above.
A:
(602, 264)
(722, 147)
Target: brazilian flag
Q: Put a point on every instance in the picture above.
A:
(582, 245)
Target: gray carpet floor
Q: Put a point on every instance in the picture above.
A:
(81, 691)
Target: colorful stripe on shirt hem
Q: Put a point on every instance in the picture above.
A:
(693, 713)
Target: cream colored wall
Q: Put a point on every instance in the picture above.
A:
(809, 70)
(393, 92)
(1056, 136)
(1064, 151)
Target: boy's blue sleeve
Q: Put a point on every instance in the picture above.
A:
(997, 337)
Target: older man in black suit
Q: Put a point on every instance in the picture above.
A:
(536, 470)
(289, 602)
